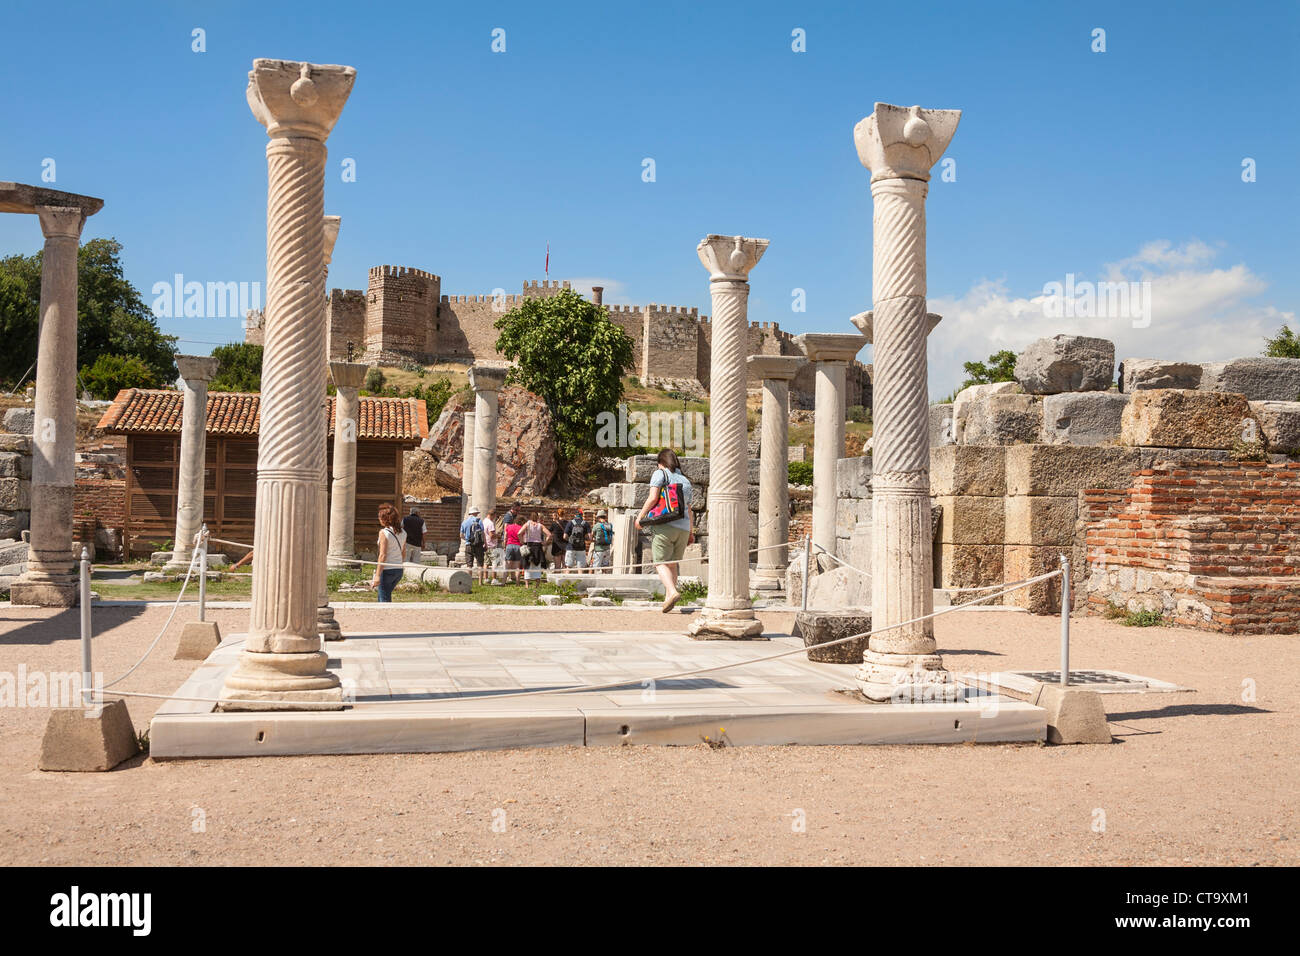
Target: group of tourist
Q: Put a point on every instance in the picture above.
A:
(518, 550)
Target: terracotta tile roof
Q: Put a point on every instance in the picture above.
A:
(144, 411)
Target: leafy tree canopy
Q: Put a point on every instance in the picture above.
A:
(569, 352)
(239, 368)
(112, 318)
(1000, 367)
(1286, 344)
(111, 373)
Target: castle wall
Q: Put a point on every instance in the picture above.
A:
(401, 313)
(345, 321)
(670, 345)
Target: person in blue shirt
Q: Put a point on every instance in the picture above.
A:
(475, 543)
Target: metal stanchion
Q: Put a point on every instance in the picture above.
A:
(1065, 621)
(807, 553)
(203, 572)
(86, 686)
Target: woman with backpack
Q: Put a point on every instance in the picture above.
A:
(667, 513)
(602, 539)
(392, 552)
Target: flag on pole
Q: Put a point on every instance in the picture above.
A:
(547, 270)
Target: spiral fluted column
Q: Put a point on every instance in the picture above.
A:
(282, 666)
(900, 146)
(728, 613)
(326, 624)
(776, 371)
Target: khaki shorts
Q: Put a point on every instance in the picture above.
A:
(668, 544)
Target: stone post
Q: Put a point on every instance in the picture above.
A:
(776, 371)
(283, 666)
(196, 371)
(348, 379)
(326, 624)
(728, 613)
(487, 381)
(467, 436)
(899, 146)
(831, 352)
(51, 576)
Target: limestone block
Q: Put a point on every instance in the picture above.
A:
(853, 477)
(550, 600)
(19, 420)
(1139, 374)
(1074, 715)
(1066, 363)
(970, 519)
(22, 444)
(849, 513)
(451, 580)
(598, 602)
(13, 551)
(836, 589)
(1004, 419)
(1183, 418)
(1260, 379)
(1083, 418)
(859, 550)
(15, 494)
(968, 565)
(1022, 561)
(820, 627)
(198, 640)
(1041, 520)
(1067, 469)
(15, 465)
(967, 397)
(641, 467)
(1280, 424)
(968, 470)
(75, 741)
(14, 523)
(942, 425)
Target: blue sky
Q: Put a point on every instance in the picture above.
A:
(1122, 164)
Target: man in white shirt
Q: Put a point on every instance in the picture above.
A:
(496, 553)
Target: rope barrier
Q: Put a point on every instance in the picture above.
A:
(587, 688)
(194, 558)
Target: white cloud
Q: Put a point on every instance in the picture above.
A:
(1197, 313)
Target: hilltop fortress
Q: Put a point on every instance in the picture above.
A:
(402, 316)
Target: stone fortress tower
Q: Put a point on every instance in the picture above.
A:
(402, 316)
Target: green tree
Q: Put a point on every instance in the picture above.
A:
(1286, 344)
(1001, 367)
(109, 374)
(239, 368)
(112, 318)
(569, 352)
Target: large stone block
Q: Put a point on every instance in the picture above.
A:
(970, 519)
(1041, 520)
(639, 468)
(849, 513)
(942, 426)
(1260, 379)
(1004, 419)
(15, 494)
(1068, 469)
(1066, 363)
(75, 740)
(15, 465)
(1083, 418)
(853, 477)
(22, 444)
(14, 523)
(821, 627)
(1280, 424)
(1183, 418)
(1074, 715)
(968, 565)
(1023, 561)
(968, 470)
(19, 420)
(967, 397)
(1137, 374)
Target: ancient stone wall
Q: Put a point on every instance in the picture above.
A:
(670, 346)
(401, 313)
(345, 316)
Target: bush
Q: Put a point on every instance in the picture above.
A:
(693, 591)
(112, 373)
(800, 472)
(239, 368)
(857, 413)
(374, 381)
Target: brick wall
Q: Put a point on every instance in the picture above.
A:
(98, 515)
(1210, 544)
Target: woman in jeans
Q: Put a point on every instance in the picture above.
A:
(392, 549)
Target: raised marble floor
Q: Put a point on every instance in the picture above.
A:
(443, 691)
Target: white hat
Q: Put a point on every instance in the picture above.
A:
(473, 510)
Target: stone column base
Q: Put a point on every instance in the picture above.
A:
(713, 624)
(198, 640)
(768, 579)
(179, 563)
(44, 593)
(326, 626)
(267, 681)
(906, 679)
(76, 739)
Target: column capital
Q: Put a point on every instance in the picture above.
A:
(332, 224)
(61, 222)
(487, 378)
(730, 258)
(291, 98)
(899, 142)
(777, 368)
(828, 347)
(348, 374)
(866, 322)
(196, 368)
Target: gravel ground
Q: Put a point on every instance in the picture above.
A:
(1198, 778)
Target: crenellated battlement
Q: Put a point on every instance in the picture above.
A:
(545, 284)
(482, 299)
(401, 272)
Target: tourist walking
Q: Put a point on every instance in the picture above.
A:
(577, 534)
(392, 552)
(415, 529)
(471, 532)
(667, 512)
(602, 544)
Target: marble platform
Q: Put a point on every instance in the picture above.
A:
(443, 691)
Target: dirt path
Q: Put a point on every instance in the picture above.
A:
(1200, 778)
